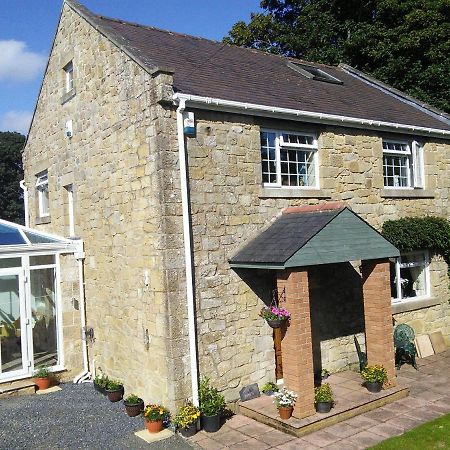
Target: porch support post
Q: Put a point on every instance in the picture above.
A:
(378, 316)
(296, 346)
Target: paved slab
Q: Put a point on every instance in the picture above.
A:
(429, 399)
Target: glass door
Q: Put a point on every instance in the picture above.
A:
(13, 332)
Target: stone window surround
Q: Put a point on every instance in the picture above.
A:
(42, 197)
(40, 167)
(64, 62)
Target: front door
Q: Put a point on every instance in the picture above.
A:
(13, 325)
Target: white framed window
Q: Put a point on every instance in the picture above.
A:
(42, 193)
(410, 277)
(68, 73)
(403, 164)
(289, 159)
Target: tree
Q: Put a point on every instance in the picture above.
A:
(11, 172)
(404, 43)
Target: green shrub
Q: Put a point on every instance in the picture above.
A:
(270, 386)
(114, 385)
(133, 399)
(323, 393)
(211, 401)
(42, 372)
(374, 374)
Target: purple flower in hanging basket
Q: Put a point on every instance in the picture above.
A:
(274, 313)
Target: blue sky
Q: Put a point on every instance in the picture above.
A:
(27, 28)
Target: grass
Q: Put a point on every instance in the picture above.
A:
(430, 436)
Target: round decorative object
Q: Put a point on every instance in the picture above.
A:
(189, 431)
(42, 383)
(323, 407)
(374, 386)
(154, 426)
(115, 395)
(277, 323)
(285, 412)
(134, 409)
(211, 424)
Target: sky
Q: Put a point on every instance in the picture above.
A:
(27, 28)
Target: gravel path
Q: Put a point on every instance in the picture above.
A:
(77, 417)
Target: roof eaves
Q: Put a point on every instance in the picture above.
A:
(121, 43)
(405, 98)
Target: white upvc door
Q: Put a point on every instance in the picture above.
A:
(14, 325)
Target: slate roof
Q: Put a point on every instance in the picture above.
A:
(284, 237)
(212, 69)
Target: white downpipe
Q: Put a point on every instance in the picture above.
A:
(85, 374)
(296, 114)
(187, 253)
(25, 202)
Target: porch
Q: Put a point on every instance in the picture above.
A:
(351, 399)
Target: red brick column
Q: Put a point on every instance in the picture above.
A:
(378, 316)
(296, 347)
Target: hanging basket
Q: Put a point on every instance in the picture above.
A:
(277, 323)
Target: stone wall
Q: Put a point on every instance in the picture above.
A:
(125, 202)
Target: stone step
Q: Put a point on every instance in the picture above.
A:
(19, 387)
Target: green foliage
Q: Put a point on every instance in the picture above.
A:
(11, 172)
(114, 385)
(42, 372)
(374, 374)
(186, 415)
(211, 401)
(132, 399)
(101, 380)
(323, 393)
(154, 412)
(270, 387)
(416, 233)
(402, 43)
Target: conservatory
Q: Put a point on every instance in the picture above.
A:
(31, 306)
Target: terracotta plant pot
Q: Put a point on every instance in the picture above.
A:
(285, 412)
(211, 424)
(323, 407)
(42, 383)
(134, 409)
(115, 395)
(154, 426)
(189, 431)
(374, 386)
(277, 323)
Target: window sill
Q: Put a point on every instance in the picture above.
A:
(291, 193)
(67, 96)
(407, 193)
(412, 305)
(42, 220)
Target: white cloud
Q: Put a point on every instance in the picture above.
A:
(16, 121)
(17, 63)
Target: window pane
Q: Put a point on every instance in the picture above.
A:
(6, 263)
(268, 166)
(395, 171)
(42, 260)
(412, 275)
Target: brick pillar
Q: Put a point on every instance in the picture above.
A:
(378, 316)
(296, 347)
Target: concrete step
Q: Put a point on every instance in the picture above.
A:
(19, 387)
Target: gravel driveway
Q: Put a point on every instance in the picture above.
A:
(77, 417)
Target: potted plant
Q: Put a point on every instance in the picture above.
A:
(100, 383)
(212, 403)
(134, 405)
(153, 417)
(269, 388)
(42, 377)
(114, 390)
(274, 316)
(323, 397)
(186, 419)
(374, 377)
(285, 401)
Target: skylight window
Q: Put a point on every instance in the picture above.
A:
(313, 73)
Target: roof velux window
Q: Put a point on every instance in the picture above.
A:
(313, 73)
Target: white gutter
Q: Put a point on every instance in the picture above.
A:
(296, 114)
(85, 375)
(187, 253)
(25, 202)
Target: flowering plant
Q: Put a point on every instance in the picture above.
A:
(323, 393)
(187, 414)
(274, 313)
(154, 412)
(284, 398)
(374, 374)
